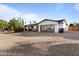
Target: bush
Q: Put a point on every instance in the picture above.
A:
(19, 29)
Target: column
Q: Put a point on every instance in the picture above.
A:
(39, 28)
(56, 28)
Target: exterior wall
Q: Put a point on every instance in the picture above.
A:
(48, 23)
(30, 28)
(57, 25)
(66, 27)
(39, 30)
(63, 25)
(35, 28)
(48, 28)
(56, 28)
(26, 27)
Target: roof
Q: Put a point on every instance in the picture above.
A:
(52, 20)
(31, 24)
(47, 20)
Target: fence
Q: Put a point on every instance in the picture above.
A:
(73, 29)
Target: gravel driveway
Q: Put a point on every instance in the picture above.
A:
(39, 44)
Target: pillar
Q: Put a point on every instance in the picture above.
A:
(56, 28)
(39, 28)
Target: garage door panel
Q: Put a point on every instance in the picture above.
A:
(47, 28)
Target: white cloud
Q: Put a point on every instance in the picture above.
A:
(31, 17)
(76, 6)
(7, 12)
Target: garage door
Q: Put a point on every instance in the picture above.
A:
(47, 28)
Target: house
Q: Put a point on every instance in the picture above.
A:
(48, 25)
(31, 27)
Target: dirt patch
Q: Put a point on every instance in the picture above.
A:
(39, 44)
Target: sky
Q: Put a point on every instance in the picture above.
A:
(40, 11)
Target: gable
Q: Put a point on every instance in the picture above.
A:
(47, 22)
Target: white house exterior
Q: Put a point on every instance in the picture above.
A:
(48, 25)
(52, 25)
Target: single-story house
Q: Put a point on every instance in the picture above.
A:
(31, 27)
(48, 25)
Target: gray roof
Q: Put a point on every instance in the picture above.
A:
(52, 20)
(47, 20)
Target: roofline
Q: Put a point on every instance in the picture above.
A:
(31, 24)
(49, 20)
(52, 20)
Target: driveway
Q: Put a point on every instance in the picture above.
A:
(39, 44)
(69, 35)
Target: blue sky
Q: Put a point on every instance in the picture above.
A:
(39, 11)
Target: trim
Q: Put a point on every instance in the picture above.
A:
(52, 20)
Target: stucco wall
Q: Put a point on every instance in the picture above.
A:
(56, 28)
(57, 25)
(63, 25)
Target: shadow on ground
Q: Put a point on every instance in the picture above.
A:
(24, 49)
(64, 50)
(52, 50)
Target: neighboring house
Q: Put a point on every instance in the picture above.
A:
(48, 25)
(31, 27)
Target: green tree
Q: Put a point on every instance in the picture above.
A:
(71, 25)
(3, 24)
(77, 25)
(16, 25)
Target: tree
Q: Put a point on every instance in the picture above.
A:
(16, 25)
(21, 22)
(71, 25)
(77, 25)
(3, 24)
